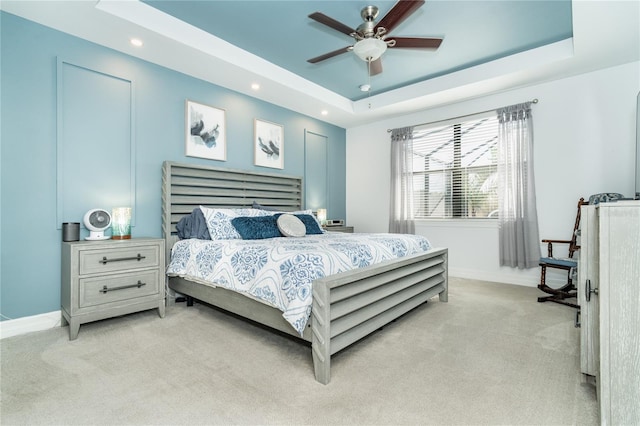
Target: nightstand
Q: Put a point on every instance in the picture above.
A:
(108, 278)
(347, 229)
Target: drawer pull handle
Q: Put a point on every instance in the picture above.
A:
(104, 260)
(105, 289)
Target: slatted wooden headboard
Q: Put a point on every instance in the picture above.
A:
(187, 186)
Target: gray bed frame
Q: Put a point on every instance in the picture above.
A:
(346, 307)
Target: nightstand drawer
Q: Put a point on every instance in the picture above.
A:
(115, 288)
(118, 259)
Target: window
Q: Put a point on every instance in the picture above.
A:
(454, 169)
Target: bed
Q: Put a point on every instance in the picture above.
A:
(345, 307)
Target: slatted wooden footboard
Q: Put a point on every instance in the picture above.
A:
(353, 304)
(346, 307)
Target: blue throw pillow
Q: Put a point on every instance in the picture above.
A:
(256, 228)
(310, 223)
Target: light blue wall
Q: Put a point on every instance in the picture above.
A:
(30, 235)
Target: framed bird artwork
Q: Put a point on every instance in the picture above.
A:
(205, 132)
(269, 144)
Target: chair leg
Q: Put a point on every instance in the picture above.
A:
(557, 294)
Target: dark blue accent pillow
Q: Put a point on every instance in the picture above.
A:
(310, 223)
(256, 228)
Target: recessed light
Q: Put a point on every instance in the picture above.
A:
(324, 112)
(365, 87)
(255, 86)
(136, 42)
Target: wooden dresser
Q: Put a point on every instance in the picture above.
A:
(609, 298)
(104, 279)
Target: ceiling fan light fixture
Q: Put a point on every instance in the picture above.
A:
(369, 49)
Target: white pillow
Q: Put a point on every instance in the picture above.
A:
(308, 211)
(291, 226)
(219, 221)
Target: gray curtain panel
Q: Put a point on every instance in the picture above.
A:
(518, 231)
(401, 219)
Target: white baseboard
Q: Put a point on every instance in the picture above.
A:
(25, 325)
(528, 278)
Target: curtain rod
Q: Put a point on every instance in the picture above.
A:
(534, 101)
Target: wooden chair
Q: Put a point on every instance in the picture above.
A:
(567, 291)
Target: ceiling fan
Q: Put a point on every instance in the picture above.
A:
(373, 39)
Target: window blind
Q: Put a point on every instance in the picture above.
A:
(454, 169)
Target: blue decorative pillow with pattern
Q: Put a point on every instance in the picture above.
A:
(257, 228)
(310, 223)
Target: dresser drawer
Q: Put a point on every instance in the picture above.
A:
(115, 288)
(118, 259)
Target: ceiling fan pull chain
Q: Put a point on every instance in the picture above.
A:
(369, 77)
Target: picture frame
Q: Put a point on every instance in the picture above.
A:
(268, 144)
(205, 131)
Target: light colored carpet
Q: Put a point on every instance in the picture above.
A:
(492, 355)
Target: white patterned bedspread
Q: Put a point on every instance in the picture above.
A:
(279, 271)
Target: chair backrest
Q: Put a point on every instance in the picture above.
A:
(573, 245)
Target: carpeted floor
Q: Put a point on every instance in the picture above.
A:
(491, 355)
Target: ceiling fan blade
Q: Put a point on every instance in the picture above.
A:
(331, 23)
(375, 67)
(398, 13)
(416, 42)
(328, 55)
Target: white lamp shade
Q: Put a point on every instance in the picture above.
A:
(369, 49)
(322, 216)
(121, 223)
